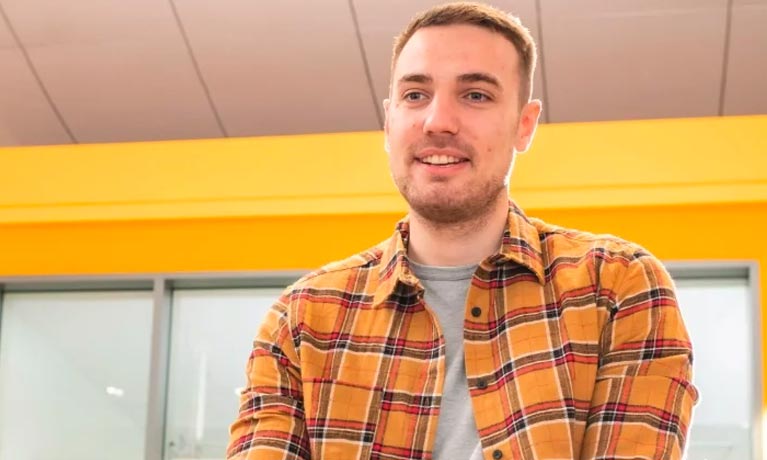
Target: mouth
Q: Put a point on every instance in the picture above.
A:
(441, 157)
(441, 160)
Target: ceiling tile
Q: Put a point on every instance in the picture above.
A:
(26, 118)
(122, 71)
(283, 67)
(380, 22)
(746, 90)
(117, 70)
(631, 59)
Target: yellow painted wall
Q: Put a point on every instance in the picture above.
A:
(687, 189)
(639, 163)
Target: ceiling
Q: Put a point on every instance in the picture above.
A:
(88, 71)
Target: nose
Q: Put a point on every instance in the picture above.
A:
(441, 117)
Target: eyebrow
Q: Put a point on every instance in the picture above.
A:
(415, 78)
(472, 77)
(476, 77)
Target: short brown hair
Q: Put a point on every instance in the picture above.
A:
(480, 15)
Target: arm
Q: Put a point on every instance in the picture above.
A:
(643, 398)
(271, 424)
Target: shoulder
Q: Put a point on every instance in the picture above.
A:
(331, 284)
(613, 263)
(337, 274)
(623, 274)
(559, 241)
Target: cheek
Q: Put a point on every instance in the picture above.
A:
(402, 125)
(401, 139)
(397, 156)
(504, 142)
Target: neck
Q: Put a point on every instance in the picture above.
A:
(458, 244)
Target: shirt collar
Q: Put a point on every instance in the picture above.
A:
(520, 244)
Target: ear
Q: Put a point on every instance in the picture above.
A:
(386, 104)
(528, 121)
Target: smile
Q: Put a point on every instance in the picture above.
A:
(441, 160)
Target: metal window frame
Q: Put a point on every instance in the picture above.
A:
(163, 285)
(157, 399)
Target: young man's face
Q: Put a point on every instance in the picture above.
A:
(453, 121)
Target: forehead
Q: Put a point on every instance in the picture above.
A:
(444, 52)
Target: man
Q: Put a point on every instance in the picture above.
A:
(475, 332)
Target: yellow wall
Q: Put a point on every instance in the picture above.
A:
(687, 189)
(640, 163)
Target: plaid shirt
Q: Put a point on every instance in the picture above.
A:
(574, 346)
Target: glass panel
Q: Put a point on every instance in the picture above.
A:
(211, 339)
(718, 315)
(74, 373)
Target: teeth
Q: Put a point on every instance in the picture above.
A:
(441, 160)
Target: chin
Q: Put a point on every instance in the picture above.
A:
(444, 211)
(450, 208)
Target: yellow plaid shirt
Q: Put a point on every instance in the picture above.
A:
(574, 347)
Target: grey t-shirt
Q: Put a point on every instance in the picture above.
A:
(445, 293)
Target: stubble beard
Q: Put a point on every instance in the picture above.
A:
(456, 207)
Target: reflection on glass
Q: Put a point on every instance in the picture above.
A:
(74, 373)
(211, 337)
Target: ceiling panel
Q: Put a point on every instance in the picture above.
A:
(26, 118)
(746, 90)
(121, 70)
(380, 22)
(630, 59)
(117, 70)
(283, 67)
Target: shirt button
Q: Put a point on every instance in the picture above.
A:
(482, 384)
(497, 454)
(476, 311)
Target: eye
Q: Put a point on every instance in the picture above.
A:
(476, 96)
(414, 96)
